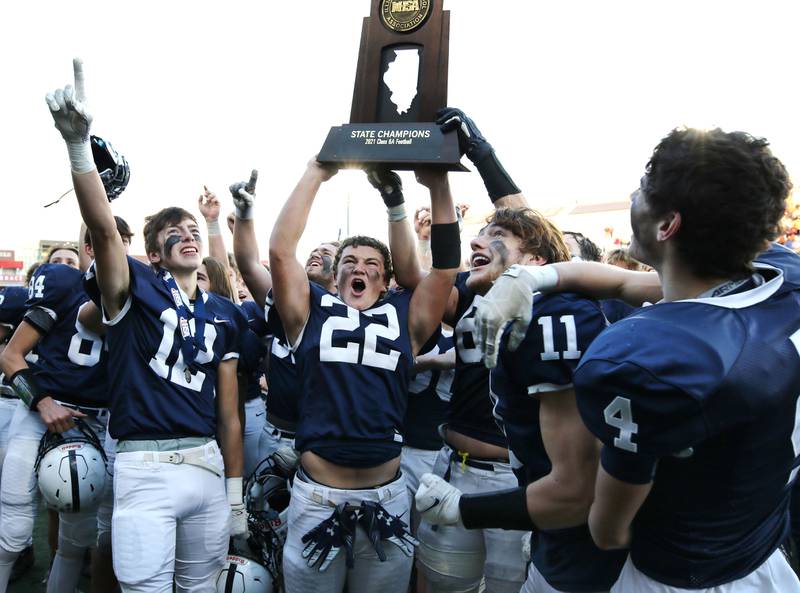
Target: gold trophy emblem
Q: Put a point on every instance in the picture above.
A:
(403, 16)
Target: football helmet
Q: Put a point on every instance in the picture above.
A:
(267, 494)
(71, 470)
(242, 575)
(112, 167)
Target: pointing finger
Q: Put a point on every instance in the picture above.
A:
(251, 185)
(80, 91)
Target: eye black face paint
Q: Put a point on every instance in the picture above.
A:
(170, 242)
(327, 264)
(197, 237)
(500, 247)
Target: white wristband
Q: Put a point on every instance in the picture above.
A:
(80, 156)
(234, 488)
(540, 278)
(213, 227)
(397, 213)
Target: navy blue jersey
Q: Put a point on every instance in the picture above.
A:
(701, 398)
(153, 395)
(428, 396)
(562, 327)
(254, 349)
(355, 368)
(70, 366)
(616, 309)
(284, 383)
(12, 305)
(470, 411)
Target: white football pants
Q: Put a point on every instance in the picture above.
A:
(170, 520)
(310, 505)
(456, 559)
(19, 496)
(774, 576)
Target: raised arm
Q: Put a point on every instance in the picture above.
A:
(245, 246)
(433, 293)
(209, 207)
(72, 120)
(290, 287)
(511, 296)
(501, 188)
(402, 244)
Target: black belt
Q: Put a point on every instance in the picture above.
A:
(285, 426)
(89, 411)
(465, 458)
(5, 395)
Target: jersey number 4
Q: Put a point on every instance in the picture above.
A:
(618, 414)
(352, 353)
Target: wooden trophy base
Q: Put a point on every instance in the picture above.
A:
(397, 146)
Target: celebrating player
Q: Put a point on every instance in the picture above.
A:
(172, 362)
(66, 381)
(694, 398)
(354, 353)
(475, 455)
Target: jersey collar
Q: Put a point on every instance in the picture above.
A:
(747, 298)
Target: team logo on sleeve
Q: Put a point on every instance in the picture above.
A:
(403, 16)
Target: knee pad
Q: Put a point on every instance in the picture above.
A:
(76, 533)
(451, 571)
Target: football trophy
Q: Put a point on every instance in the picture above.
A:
(401, 81)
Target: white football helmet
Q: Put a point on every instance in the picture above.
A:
(242, 575)
(71, 470)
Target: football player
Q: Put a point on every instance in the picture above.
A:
(555, 456)
(284, 385)
(12, 311)
(173, 353)
(694, 398)
(354, 353)
(475, 456)
(67, 379)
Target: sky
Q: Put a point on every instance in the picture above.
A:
(573, 95)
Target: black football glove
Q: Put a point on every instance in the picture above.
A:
(325, 541)
(472, 143)
(470, 140)
(380, 526)
(388, 183)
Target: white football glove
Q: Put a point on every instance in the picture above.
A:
(437, 501)
(510, 299)
(72, 118)
(244, 196)
(238, 510)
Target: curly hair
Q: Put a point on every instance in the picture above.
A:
(539, 236)
(729, 190)
(364, 241)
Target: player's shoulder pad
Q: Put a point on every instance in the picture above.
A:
(566, 303)
(683, 343)
(13, 297)
(652, 372)
(54, 284)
